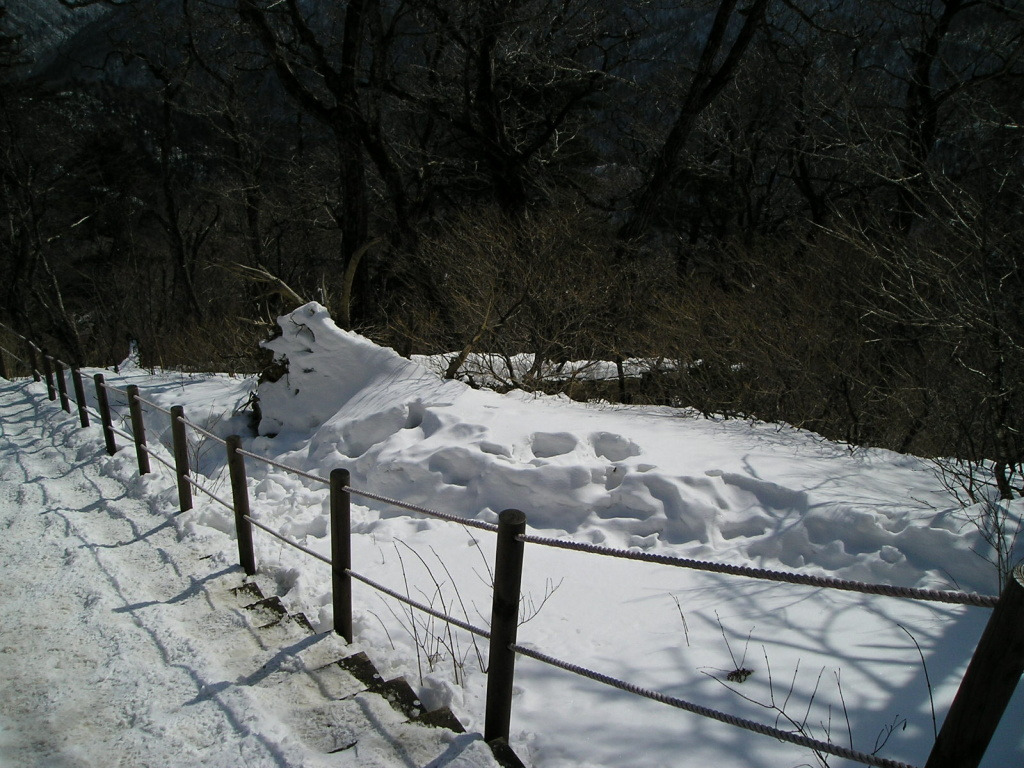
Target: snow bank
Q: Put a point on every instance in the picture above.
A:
(329, 370)
(632, 477)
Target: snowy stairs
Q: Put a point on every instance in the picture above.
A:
(338, 693)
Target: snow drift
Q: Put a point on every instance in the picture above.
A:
(652, 478)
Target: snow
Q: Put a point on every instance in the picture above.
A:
(120, 637)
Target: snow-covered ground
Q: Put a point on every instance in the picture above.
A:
(119, 603)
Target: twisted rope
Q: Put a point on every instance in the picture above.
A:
(288, 541)
(419, 606)
(159, 460)
(212, 495)
(371, 583)
(151, 404)
(5, 349)
(202, 431)
(11, 330)
(374, 496)
(697, 709)
(886, 590)
(423, 510)
(112, 388)
(122, 433)
(285, 467)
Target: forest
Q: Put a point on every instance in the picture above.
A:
(805, 211)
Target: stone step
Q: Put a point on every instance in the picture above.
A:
(338, 685)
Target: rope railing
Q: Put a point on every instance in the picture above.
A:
(154, 455)
(112, 388)
(72, 400)
(376, 497)
(370, 582)
(153, 405)
(201, 431)
(11, 354)
(713, 714)
(121, 432)
(11, 330)
(469, 522)
(810, 580)
(285, 467)
(418, 605)
(195, 484)
(289, 542)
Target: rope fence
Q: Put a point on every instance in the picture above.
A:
(122, 433)
(697, 709)
(116, 391)
(11, 354)
(209, 493)
(990, 679)
(154, 455)
(375, 497)
(468, 522)
(804, 579)
(315, 555)
(418, 605)
(201, 431)
(285, 467)
(153, 405)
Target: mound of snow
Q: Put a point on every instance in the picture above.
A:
(652, 478)
(329, 369)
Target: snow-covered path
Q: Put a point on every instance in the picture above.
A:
(121, 644)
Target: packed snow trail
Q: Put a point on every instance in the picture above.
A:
(121, 644)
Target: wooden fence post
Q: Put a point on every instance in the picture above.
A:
(32, 361)
(181, 457)
(83, 414)
(988, 684)
(508, 573)
(240, 496)
(341, 552)
(4, 374)
(138, 428)
(62, 385)
(104, 407)
(48, 372)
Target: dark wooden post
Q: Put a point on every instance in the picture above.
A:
(240, 496)
(181, 457)
(62, 385)
(3, 365)
(341, 552)
(138, 428)
(32, 361)
(104, 406)
(988, 684)
(508, 573)
(83, 414)
(48, 372)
